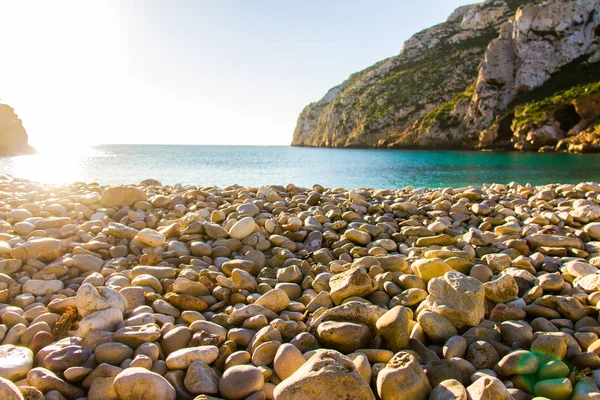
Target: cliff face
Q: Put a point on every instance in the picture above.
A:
(13, 138)
(462, 83)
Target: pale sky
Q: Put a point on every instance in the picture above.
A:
(189, 71)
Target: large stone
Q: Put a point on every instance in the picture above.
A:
(354, 282)
(87, 262)
(151, 237)
(403, 378)
(556, 389)
(67, 357)
(120, 196)
(41, 288)
(112, 353)
(488, 387)
(275, 300)
(243, 228)
(427, 269)
(240, 381)
(543, 240)
(45, 380)
(107, 319)
(102, 389)
(133, 336)
(437, 327)
(580, 269)
(450, 389)
(353, 311)
(550, 345)
(593, 230)
(327, 375)
(240, 315)
(42, 249)
(345, 337)
(140, 384)
(589, 283)
(15, 362)
(9, 391)
(457, 297)
(200, 378)
(122, 231)
(181, 359)
(393, 326)
(359, 237)
(502, 290)
(90, 299)
(288, 360)
(520, 362)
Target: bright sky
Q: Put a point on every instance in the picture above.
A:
(189, 71)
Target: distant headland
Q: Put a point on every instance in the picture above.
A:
(13, 137)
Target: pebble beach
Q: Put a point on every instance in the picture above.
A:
(151, 291)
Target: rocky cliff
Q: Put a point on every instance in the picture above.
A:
(13, 138)
(499, 74)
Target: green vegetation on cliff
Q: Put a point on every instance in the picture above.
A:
(443, 114)
(427, 73)
(537, 111)
(575, 80)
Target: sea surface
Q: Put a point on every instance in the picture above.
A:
(262, 165)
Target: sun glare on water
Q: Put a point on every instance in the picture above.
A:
(52, 164)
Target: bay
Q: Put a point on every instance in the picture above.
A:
(281, 165)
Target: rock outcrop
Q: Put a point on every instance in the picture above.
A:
(501, 74)
(13, 138)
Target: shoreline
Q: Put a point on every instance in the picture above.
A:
(181, 290)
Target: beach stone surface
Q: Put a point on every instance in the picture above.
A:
(16, 362)
(285, 292)
(241, 381)
(140, 383)
(9, 391)
(326, 375)
(403, 377)
(457, 297)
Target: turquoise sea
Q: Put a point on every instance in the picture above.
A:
(258, 165)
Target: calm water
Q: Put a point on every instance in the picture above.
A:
(253, 166)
